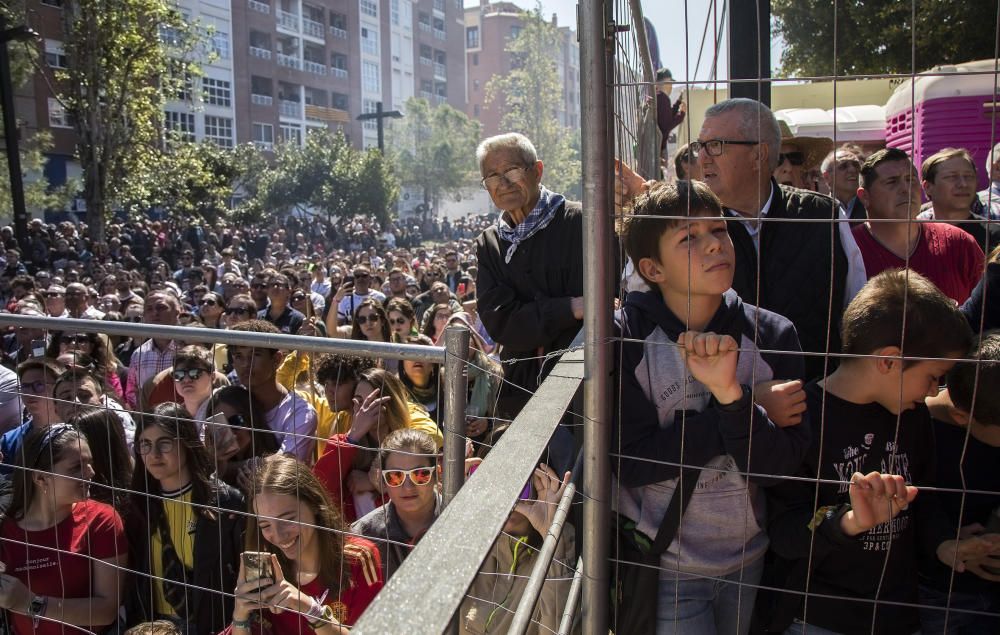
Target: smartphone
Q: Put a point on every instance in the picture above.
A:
(257, 565)
(38, 348)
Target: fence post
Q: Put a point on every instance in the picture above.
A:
(456, 382)
(596, 59)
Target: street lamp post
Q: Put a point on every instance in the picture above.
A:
(380, 116)
(18, 33)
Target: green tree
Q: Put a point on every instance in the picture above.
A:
(325, 175)
(879, 36)
(530, 95)
(436, 150)
(125, 59)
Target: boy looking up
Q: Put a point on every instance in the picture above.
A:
(853, 533)
(967, 446)
(685, 398)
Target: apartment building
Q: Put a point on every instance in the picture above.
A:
(272, 70)
(488, 29)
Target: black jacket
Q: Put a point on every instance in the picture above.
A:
(525, 304)
(803, 269)
(217, 547)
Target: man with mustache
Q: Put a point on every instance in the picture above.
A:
(893, 238)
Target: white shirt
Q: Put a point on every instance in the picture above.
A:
(856, 275)
(345, 309)
(294, 423)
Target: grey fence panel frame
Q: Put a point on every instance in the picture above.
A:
(448, 557)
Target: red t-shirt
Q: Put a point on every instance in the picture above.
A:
(332, 469)
(365, 583)
(92, 530)
(947, 256)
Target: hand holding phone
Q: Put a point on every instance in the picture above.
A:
(257, 566)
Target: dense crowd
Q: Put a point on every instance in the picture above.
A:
(767, 331)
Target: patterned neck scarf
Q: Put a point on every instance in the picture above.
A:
(537, 220)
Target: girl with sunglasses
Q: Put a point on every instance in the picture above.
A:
(62, 552)
(244, 437)
(192, 375)
(211, 308)
(369, 322)
(409, 470)
(381, 407)
(184, 529)
(97, 348)
(402, 318)
(324, 578)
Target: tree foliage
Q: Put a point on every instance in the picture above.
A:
(530, 95)
(325, 175)
(125, 58)
(436, 148)
(879, 36)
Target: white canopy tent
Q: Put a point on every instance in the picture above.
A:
(860, 124)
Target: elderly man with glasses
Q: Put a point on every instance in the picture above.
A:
(530, 277)
(788, 258)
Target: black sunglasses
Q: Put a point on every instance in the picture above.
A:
(208, 301)
(371, 319)
(180, 374)
(238, 310)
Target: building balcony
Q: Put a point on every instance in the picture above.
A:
(313, 28)
(288, 20)
(429, 96)
(440, 72)
(440, 34)
(340, 73)
(328, 115)
(439, 5)
(426, 28)
(292, 109)
(338, 32)
(440, 99)
(426, 61)
(261, 7)
(264, 54)
(261, 100)
(289, 61)
(314, 67)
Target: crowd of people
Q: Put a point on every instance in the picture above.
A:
(808, 363)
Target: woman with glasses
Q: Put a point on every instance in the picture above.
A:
(324, 578)
(402, 317)
(370, 322)
(381, 406)
(437, 321)
(97, 348)
(211, 308)
(62, 552)
(184, 527)
(408, 467)
(237, 433)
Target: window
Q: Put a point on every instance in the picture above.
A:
(58, 117)
(216, 92)
(181, 123)
(338, 101)
(369, 105)
(369, 41)
(220, 44)
(369, 7)
(475, 59)
(263, 135)
(55, 57)
(472, 37)
(338, 21)
(291, 134)
(53, 3)
(475, 110)
(394, 11)
(338, 61)
(475, 84)
(370, 77)
(515, 30)
(219, 130)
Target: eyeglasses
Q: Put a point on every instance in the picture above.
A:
(163, 445)
(714, 147)
(372, 318)
(34, 387)
(180, 374)
(74, 339)
(237, 421)
(298, 297)
(512, 175)
(795, 158)
(400, 321)
(238, 310)
(362, 275)
(208, 301)
(278, 285)
(418, 476)
(53, 295)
